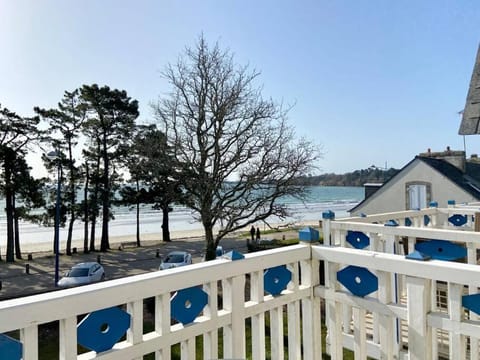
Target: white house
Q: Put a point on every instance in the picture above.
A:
(433, 176)
(430, 176)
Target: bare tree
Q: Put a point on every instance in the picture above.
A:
(239, 158)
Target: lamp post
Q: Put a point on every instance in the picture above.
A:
(55, 156)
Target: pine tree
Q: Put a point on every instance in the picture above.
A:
(16, 135)
(111, 116)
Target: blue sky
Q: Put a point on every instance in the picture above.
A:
(373, 82)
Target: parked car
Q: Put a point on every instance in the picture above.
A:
(176, 259)
(83, 273)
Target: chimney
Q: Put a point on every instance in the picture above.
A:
(371, 188)
(474, 159)
(455, 157)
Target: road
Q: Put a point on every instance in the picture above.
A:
(15, 282)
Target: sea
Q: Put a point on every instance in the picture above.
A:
(338, 199)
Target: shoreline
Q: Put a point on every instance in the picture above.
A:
(146, 239)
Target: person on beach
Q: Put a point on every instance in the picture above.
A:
(252, 233)
(258, 234)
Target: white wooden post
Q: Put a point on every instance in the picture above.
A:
(359, 334)
(187, 349)
(258, 321)
(293, 313)
(474, 343)
(434, 307)
(210, 338)
(418, 220)
(276, 333)
(312, 340)
(347, 310)
(418, 306)
(472, 259)
(457, 342)
(29, 338)
(68, 338)
(162, 323)
(434, 217)
(472, 253)
(327, 218)
(234, 333)
(386, 323)
(375, 245)
(135, 332)
(390, 248)
(334, 313)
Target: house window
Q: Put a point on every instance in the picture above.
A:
(418, 195)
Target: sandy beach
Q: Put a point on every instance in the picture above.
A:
(145, 238)
(115, 241)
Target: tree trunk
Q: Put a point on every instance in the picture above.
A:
(68, 249)
(92, 233)
(94, 209)
(9, 212)
(104, 244)
(165, 225)
(210, 253)
(18, 252)
(85, 211)
(138, 214)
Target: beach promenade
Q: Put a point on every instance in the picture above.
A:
(16, 282)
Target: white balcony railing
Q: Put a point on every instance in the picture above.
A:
(376, 302)
(220, 278)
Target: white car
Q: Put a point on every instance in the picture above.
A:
(176, 259)
(83, 273)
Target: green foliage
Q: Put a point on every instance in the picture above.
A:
(355, 178)
(109, 124)
(64, 128)
(17, 134)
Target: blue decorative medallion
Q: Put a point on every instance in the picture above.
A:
(328, 215)
(358, 239)
(408, 222)
(276, 279)
(101, 329)
(457, 219)
(234, 255)
(358, 280)
(426, 220)
(417, 255)
(187, 304)
(391, 223)
(472, 303)
(441, 250)
(10, 348)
